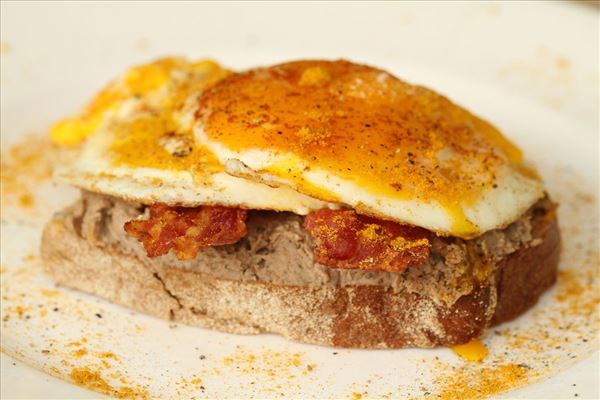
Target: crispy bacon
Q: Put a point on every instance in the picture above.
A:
(345, 239)
(187, 230)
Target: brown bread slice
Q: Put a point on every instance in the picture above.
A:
(335, 314)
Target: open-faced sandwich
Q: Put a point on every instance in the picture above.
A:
(326, 201)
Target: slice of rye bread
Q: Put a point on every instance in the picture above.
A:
(340, 314)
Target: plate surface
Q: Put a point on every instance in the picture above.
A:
(529, 68)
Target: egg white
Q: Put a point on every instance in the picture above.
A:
(93, 171)
(496, 207)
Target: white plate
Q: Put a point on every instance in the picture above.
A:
(530, 68)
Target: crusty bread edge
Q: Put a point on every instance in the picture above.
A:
(350, 316)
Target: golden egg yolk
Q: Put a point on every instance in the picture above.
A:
(151, 135)
(474, 350)
(139, 82)
(155, 137)
(363, 125)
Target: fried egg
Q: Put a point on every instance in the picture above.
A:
(297, 137)
(358, 136)
(136, 142)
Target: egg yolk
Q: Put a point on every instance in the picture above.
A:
(141, 83)
(362, 125)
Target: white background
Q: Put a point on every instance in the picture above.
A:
(56, 55)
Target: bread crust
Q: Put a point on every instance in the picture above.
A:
(360, 316)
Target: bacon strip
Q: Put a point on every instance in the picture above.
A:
(348, 240)
(187, 230)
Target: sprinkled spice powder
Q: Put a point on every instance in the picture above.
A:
(556, 333)
(93, 380)
(477, 383)
(90, 379)
(24, 167)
